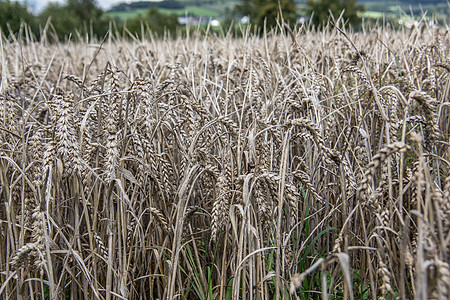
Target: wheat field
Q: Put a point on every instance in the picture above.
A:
(296, 164)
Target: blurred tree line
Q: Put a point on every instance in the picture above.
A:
(77, 18)
(81, 16)
(318, 12)
(267, 12)
(13, 14)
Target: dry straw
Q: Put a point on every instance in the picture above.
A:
(213, 167)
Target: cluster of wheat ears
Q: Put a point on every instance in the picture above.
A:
(294, 164)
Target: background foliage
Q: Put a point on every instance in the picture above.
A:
(320, 10)
(12, 14)
(78, 18)
(266, 12)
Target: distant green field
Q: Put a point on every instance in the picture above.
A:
(392, 11)
(124, 15)
(195, 11)
(396, 7)
(212, 10)
(372, 14)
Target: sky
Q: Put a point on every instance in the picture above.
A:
(38, 5)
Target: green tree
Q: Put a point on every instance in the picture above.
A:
(86, 10)
(14, 14)
(267, 11)
(63, 21)
(157, 22)
(76, 15)
(321, 9)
